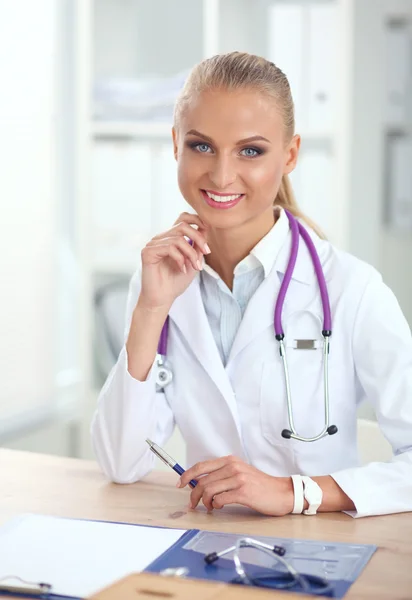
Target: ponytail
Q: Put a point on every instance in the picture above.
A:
(286, 199)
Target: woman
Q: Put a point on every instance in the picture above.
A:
(235, 145)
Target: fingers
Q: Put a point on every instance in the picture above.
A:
(206, 467)
(174, 244)
(191, 219)
(209, 492)
(173, 247)
(153, 253)
(233, 497)
(225, 472)
(183, 229)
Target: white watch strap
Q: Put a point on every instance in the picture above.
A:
(313, 494)
(298, 501)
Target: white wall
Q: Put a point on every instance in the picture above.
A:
(27, 224)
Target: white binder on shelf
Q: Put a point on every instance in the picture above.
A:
(321, 67)
(399, 199)
(286, 23)
(121, 203)
(312, 185)
(168, 202)
(310, 62)
(398, 75)
(121, 185)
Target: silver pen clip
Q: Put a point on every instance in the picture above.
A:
(168, 460)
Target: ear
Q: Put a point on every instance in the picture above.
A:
(292, 153)
(174, 136)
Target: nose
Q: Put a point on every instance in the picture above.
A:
(223, 172)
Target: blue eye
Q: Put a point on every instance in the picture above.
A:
(203, 148)
(251, 152)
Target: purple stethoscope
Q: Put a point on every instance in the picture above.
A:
(165, 375)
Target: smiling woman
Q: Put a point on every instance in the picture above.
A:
(241, 76)
(236, 311)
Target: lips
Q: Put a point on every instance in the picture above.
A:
(221, 201)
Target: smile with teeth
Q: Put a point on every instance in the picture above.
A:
(223, 199)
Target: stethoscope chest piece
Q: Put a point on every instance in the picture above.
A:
(164, 375)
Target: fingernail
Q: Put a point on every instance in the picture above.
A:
(189, 506)
(179, 483)
(207, 249)
(199, 266)
(184, 269)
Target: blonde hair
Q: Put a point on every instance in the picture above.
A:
(240, 70)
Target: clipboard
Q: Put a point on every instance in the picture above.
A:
(19, 588)
(341, 563)
(142, 586)
(146, 586)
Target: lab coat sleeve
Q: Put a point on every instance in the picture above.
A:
(129, 411)
(382, 350)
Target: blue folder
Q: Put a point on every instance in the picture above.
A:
(339, 563)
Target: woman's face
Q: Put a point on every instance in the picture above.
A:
(231, 156)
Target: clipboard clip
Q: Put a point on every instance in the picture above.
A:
(175, 572)
(28, 588)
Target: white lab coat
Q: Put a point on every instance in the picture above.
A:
(241, 409)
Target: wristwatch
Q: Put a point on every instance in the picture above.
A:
(313, 494)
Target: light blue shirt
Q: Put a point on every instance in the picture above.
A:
(225, 308)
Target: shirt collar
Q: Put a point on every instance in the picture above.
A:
(266, 251)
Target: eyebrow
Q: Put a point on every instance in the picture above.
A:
(254, 138)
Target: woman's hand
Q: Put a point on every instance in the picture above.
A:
(229, 480)
(169, 262)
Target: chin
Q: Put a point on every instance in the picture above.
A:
(223, 219)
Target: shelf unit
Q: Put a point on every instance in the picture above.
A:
(120, 39)
(112, 130)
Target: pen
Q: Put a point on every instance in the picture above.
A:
(169, 461)
(25, 588)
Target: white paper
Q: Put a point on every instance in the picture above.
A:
(78, 557)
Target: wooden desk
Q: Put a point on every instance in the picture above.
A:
(73, 488)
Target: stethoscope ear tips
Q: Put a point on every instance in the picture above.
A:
(332, 429)
(287, 434)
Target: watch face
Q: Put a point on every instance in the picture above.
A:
(313, 494)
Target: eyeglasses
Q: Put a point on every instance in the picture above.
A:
(287, 577)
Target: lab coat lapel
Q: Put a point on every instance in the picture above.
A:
(189, 315)
(259, 314)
